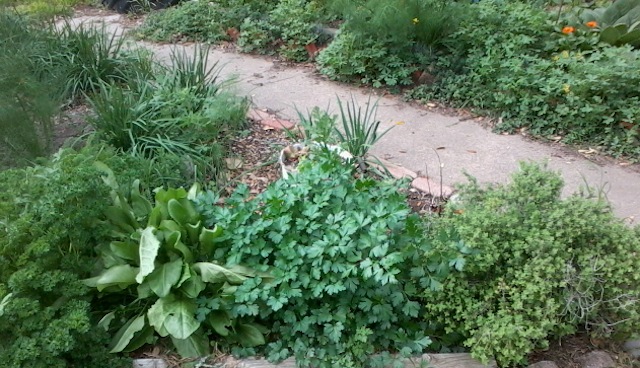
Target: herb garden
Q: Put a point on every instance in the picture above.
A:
(142, 231)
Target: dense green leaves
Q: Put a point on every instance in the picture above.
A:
(168, 267)
(339, 249)
(541, 267)
(49, 226)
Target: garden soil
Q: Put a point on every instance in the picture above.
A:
(443, 144)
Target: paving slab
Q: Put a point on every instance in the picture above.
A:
(420, 140)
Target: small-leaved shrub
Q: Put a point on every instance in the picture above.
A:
(543, 267)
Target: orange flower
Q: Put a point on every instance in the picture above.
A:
(592, 24)
(568, 30)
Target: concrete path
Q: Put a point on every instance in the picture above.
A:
(420, 140)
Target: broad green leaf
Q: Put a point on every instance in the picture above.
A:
(120, 276)
(108, 257)
(193, 286)
(141, 338)
(249, 335)
(121, 219)
(193, 231)
(156, 217)
(164, 277)
(195, 346)
(172, 240)
(219, 320)
(208, 238)
(139, 204)
(149, 245)
(630, 37)
(214, 273)
(106, 320)
(178, 212)
(170, 225)
(194, 191)
(610, 35)
(175, 317)
(125, 334)
(144, 291)
(126, 250)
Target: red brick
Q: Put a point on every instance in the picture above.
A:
(278, 123)
(258, 115)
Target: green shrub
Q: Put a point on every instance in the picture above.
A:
(341, 251)
(205, 21)
(293, 23)
(405, 26)
(383, 42)
(366, 60)
(190, 20)
(543, 267)
(89, 57)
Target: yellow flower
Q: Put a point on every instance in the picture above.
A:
(566, 88)
(555, 58)
(565, 54)
(415, 20)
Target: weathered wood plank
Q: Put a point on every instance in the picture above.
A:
(427, 360)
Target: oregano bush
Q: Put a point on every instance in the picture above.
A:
(541, 267)
(341, 250)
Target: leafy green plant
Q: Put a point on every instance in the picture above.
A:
(28, 102)
(318, 126)
(341, 251)
(204, 21)
(49, 224)
(359, 128)
(404, 25)
(189, 20)
(543, 267)
(256, 36)
(527, 83)
(90, 57)
(618, 23)
(366, 60)
(184, 113)
(162, 255)
(293, 21)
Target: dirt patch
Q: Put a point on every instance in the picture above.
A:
(254, 157)
(567, 351)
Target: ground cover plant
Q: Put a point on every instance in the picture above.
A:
(554, 79)
(285, 27)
